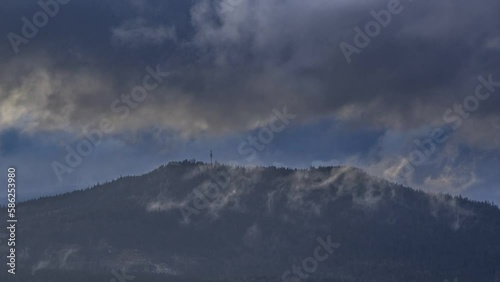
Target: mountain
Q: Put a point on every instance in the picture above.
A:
(191, 221)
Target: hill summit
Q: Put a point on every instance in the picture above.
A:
(191, 221)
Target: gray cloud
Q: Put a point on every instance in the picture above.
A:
(229, 70)
(260, 55)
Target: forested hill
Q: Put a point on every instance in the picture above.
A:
(189, 220)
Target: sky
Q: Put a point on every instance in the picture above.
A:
(407, 90)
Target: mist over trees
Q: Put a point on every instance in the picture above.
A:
(190, 220)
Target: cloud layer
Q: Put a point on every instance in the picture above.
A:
(231, 65)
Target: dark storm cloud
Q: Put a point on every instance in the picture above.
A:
(243, 62)
(230, 68)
